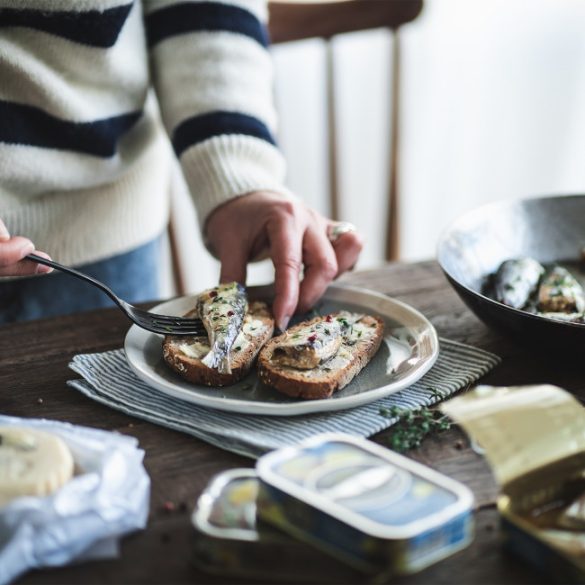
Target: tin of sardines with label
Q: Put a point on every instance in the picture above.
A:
(534, 440)
(229, 539)
(366, 505)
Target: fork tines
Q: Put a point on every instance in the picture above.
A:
(178, 325)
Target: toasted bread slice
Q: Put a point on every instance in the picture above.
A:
(356, 350)
(184, 354)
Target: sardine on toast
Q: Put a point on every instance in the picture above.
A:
(222, 310)
(307, 347)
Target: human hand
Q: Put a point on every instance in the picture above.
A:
(13, 250)
(294, 236)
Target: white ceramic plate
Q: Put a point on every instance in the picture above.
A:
(409, 350)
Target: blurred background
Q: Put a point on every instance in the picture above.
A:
(492, 107)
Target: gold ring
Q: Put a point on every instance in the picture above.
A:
(337, 229)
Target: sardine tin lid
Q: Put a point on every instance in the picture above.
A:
(521, 428)
(463, 502)
(202, 512)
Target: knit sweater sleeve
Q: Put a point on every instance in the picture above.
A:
(212, 73)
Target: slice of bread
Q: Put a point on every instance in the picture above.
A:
(321, 382)
(184, 354)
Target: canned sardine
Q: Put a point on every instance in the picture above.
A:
(533, 438)
(367, 506)
(229, 540)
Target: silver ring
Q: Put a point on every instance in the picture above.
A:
(337, 229)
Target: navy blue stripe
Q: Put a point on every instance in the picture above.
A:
(203, 16)
(200, 128)
(92, 27)
(20, 124)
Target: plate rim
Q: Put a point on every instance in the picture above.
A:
(248, 407)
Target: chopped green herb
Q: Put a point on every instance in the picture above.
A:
(413, 426)
(238, 348)
(435, 393)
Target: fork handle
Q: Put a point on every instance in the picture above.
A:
(76, 273)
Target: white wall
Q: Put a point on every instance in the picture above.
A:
(493, 107)
(496, 108)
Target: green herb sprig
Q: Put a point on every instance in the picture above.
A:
(413, 426)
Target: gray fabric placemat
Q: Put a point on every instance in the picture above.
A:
(107, 378)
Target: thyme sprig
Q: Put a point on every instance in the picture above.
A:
(413, 426)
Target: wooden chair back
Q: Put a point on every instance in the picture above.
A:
(293, 21)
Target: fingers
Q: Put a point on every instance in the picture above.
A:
(234, 259)
(347, 251)
(12, 252)
(285, 235)
(321, 266)
(4, 235)
(40, 268)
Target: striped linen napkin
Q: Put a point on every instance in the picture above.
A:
(107, 378)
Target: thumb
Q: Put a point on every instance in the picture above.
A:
(234, 261)
(4, 235)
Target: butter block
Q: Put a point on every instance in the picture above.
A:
(32, 463)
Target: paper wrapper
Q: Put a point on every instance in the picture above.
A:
(107, 498)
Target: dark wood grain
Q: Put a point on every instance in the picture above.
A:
(291, 21)
(33, 374)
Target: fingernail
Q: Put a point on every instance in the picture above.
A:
(28, 248)
(4, 234)
(282, 324)
(42, 269)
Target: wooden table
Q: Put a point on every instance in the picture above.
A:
(33, 372)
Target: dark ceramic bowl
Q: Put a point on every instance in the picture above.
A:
(550, 230)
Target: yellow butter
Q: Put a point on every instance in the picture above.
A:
(32, 463)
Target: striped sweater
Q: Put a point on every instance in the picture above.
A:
(84, 157)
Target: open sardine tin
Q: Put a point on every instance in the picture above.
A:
(376, 510)
(229, 539)
(534, 439)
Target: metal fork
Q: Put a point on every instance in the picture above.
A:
(152, 322)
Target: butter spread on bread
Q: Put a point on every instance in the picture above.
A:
(185, 355)
(32, 463)
(315, 358)
(252, 328)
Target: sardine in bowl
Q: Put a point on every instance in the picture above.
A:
(550, 230)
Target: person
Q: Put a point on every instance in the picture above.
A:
(85, 165)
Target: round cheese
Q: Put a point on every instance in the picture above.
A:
(32, 463)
